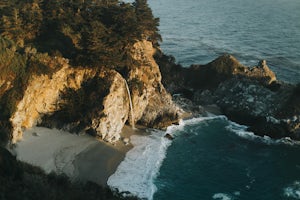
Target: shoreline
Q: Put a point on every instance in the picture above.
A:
(80, 157)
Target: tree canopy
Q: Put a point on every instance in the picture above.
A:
(88, 32)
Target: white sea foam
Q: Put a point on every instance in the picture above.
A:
(222, 196)
(237, 193)
(241, 131)
(292, 191)
(136, 174)
(182, 123)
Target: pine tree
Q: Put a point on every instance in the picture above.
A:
(148, 25)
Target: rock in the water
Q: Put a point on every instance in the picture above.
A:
(169, 136)
(248, 95)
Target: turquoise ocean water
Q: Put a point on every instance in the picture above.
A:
(211, 157)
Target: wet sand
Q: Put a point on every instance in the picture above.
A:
(78, 156)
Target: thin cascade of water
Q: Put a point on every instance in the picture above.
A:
(130, 103)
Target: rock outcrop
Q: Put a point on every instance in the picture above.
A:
(62, 98)
(9, 167)
(225, 67)
(248, 95)
(152, 104)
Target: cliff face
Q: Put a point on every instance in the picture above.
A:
(152, 104)
(44, 96)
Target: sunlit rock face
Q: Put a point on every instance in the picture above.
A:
(44, 96)
(115, 110)
(153, 105)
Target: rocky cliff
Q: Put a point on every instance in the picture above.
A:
(248, 95)
(96, 100)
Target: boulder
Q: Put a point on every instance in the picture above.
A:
(169, 136)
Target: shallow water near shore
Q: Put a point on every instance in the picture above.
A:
(210, 158)
(218, 159)
(213, 158)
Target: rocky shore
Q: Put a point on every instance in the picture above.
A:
(250, 96)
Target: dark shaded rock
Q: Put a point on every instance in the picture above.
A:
(9, 166)
(247, 95)
(169, 136)
(264, 127)
(209, 76)
(292, 105)
(274, 86)
(188, 106)
(173, 75)
(204, 97)
(225, 67)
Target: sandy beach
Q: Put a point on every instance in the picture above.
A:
(78, 156)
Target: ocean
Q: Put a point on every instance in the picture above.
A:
(198, 31)
(212, 157)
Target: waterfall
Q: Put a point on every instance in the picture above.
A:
(130, 103)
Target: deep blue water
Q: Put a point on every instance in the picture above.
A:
(197, 31)
(213, 158)
(207, 160)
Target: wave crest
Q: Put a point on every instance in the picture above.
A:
(241, 131)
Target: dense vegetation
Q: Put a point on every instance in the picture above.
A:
(38, 37)
(87, 32)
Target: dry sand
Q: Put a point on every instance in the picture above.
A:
(78, 156)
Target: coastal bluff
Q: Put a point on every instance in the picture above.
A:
(95, 100)
(251, 96)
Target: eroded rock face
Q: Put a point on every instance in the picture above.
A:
(115, 110)
(152, 104)
(42, 96)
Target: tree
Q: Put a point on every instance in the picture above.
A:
(148, 25)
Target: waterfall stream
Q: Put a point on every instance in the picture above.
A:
(130, 103)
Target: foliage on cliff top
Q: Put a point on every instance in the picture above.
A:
(36, 36)
(17, 65)
(88, 32)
